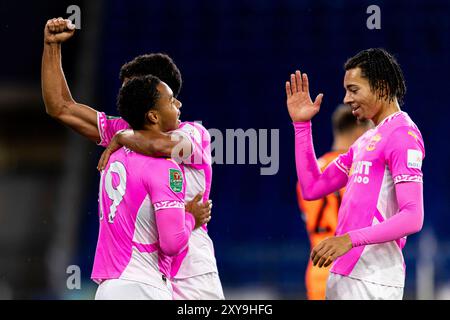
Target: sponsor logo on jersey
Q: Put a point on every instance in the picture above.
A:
(414, 159)
(361, 170)
(176, 180)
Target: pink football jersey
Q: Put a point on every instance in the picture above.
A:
(199, 257)
(390, 153)
(133, 189)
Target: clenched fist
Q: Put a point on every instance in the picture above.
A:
(58, 30)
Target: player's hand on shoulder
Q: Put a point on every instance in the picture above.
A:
(200, 210)
(58, 30)
(113, 146)
(300, 106)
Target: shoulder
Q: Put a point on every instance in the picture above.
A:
(403, 122)
(405, 139)
(159, 171)
(195, 130)
(166, 176)
(156, 164)
(406, 131)
(103, 118)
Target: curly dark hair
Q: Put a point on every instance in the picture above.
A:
(136, 98)
(383, 72)
(157, 64)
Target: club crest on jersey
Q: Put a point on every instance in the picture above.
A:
(372, 144)
(175, 180)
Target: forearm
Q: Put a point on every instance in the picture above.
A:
(408, 220)
(148, 143)
(175, 227)
(55, 91)
(58, 100)
(314, 184)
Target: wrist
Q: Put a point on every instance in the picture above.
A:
(52, 48)
(350, 237)
(52, 44)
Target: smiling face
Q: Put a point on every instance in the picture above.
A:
(360, 97)
(168, 108)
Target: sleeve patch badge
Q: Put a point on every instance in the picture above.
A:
(414, 159)
(175, 180)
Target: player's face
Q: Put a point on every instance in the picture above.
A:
(168, 108)
(359, 95)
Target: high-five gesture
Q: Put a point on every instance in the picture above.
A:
(299, 103)
(58, 30)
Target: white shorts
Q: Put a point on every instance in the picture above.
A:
(119, 289)
(345, 288)
(202, 287)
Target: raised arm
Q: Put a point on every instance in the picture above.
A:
(58, 100)
(314, 184)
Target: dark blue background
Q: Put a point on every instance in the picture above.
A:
(235, 57)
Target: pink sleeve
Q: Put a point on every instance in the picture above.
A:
(408, 220)
(404, 154)
(167, 190)
(108, 126)
(314, 184)
(174, 228)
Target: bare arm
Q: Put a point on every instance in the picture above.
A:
(58, 100)
(154, 144)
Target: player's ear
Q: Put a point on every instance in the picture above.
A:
(152, 116)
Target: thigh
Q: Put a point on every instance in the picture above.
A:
(202, 287)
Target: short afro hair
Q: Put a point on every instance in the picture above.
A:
(157, 64)
(136, 98)
(382, 71)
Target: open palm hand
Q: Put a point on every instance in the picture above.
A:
(300, 106)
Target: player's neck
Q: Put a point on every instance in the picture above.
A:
(152, 128)
(387, 109)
